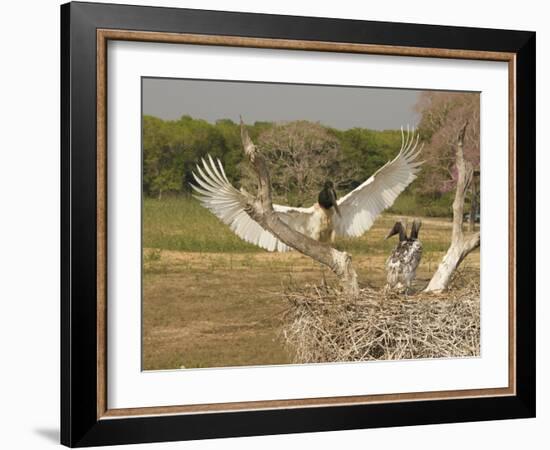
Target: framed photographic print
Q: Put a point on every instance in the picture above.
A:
(276, 224)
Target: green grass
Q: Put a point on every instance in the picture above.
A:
(411, 205)
(181, 223)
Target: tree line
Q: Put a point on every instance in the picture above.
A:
(302, 154)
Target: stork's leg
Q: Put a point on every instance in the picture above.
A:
(408, 284)
(411, 279)
(323, 279)
(406, 288)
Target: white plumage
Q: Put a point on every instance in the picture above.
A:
(358, 209)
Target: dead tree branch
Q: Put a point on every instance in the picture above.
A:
(261, 210)
(461, 245)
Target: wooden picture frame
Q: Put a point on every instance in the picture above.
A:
(86, 418)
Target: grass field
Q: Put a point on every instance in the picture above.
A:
(212, 300)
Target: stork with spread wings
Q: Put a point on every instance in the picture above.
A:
(349, 216)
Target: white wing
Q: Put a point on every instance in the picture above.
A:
(360, 207)
(216, 193)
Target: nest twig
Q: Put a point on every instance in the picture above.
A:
(321, 326)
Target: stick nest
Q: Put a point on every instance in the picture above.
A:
(320, 325)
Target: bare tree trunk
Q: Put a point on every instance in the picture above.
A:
(460, 244)
(261, 210)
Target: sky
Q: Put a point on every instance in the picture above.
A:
(336, 106)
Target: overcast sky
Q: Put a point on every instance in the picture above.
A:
(336, 106)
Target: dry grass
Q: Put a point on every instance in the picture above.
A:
(226, 309)
(210, 300)
(321, 326)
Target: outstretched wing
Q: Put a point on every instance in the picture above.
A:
(360, 207)
(216, 193)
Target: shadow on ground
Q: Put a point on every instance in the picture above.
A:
(49, 434)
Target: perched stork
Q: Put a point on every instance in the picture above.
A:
(355, 211)
(405, 257)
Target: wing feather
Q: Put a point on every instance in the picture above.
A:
(218, 195)
(360, 207)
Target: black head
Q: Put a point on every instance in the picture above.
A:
(398, 228)
(415, 228)
(327, 197)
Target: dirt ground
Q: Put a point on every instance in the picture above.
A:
(225, 309)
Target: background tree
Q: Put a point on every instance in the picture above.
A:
(160, 169)
(301, 156)
(367, 150)
(171, 150)
(311, 152)
(475, 198)
(442, 116)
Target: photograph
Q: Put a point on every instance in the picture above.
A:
(303, 223)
